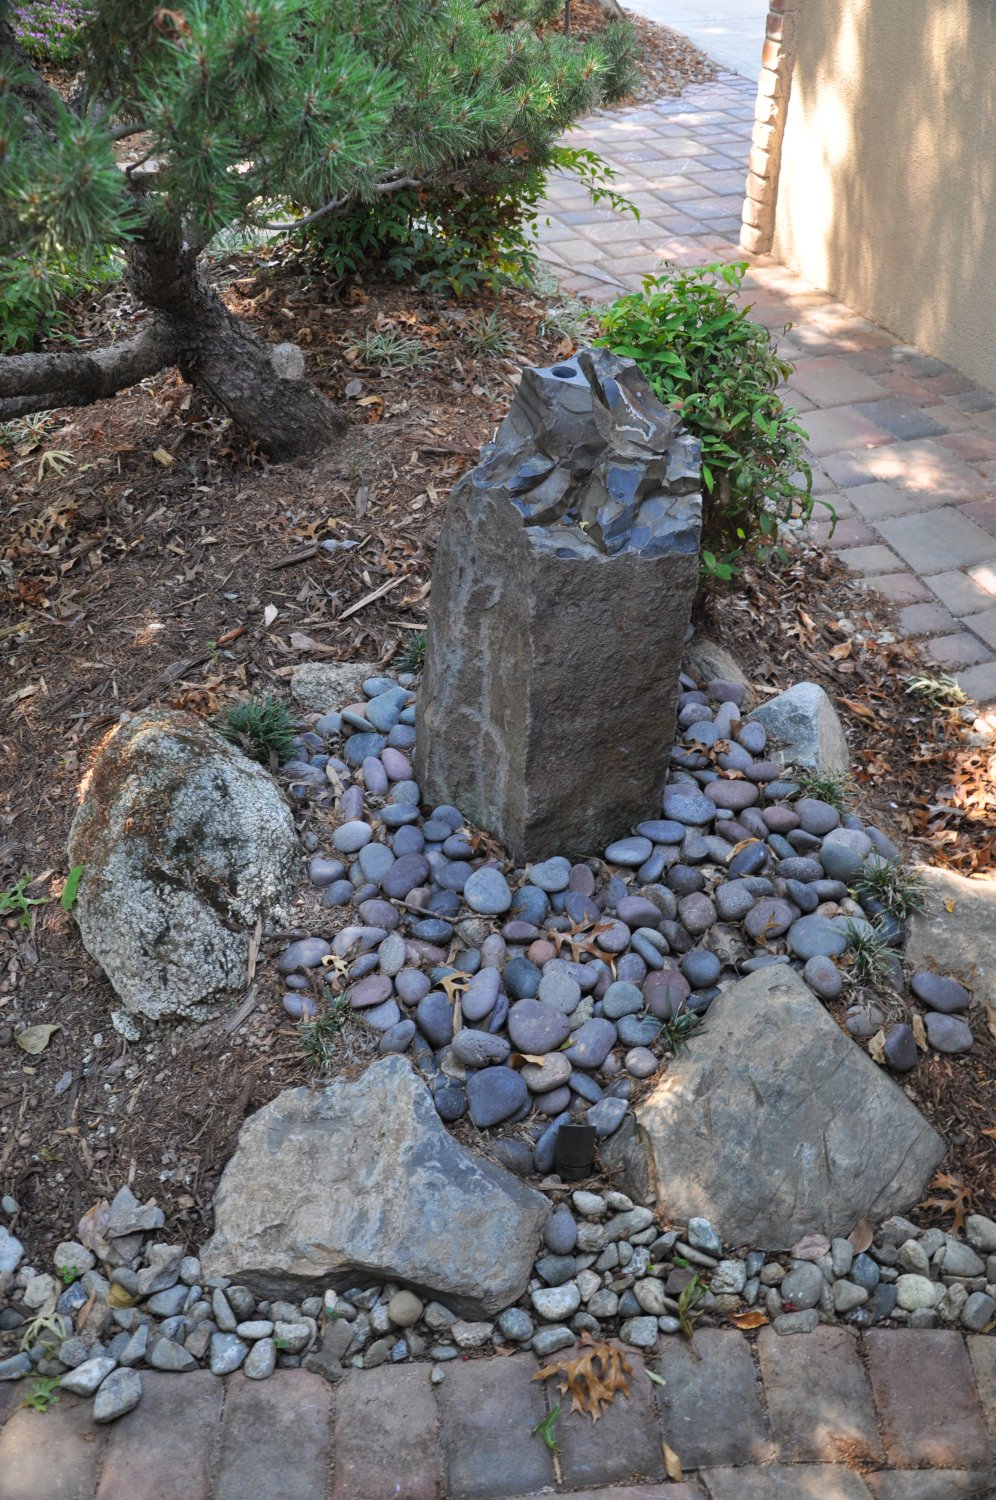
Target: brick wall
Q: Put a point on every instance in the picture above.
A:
(773, 90)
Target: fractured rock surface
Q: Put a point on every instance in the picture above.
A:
(561, 593)
(772, 1124)
(361, 1182)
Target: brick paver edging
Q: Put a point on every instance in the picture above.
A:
(894, 1414)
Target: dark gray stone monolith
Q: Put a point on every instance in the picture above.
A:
(561, 594)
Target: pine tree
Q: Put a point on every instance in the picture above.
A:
(251, 113)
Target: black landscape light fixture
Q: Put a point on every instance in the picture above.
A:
(574, 1154)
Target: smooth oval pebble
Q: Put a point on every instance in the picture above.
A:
(947, 1033)
(373, 990)
(551, 875)
(629, 852)
(823, 977)
(537, 1028)
(487, 891)
(640, 1062)
(940, 993)
(493, 1094)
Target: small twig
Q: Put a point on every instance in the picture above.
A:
(369, 598)
(301, 555)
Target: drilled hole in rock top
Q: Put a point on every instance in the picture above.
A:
(563, 372)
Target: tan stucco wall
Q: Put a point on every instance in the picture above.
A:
(887, 193)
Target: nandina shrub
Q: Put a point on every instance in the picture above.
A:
(707, 359)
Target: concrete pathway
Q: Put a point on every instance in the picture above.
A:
(895, 1414)
(903, 446)
(731, 32)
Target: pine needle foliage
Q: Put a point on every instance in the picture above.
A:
(323, 107)
(405, 132)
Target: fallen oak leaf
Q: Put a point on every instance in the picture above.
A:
(594, 1379)
(672, 1464)
(919, 1033)
(861, 709)
(876, 1046)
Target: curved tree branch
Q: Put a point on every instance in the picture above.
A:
(390, 185)
(44, 382)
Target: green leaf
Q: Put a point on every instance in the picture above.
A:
(545, 1428)
(71, 888)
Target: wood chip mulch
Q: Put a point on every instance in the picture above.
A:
(141, 550)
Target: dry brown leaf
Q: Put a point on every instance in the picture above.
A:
(957, 1205)
(35, 1039)
(519, 1059)
(919, 1033)
(861, 1236)
(594, 1379)
(949, 903)
(861, 709)
(748, 1320)
(991, 1018)
(672, 1464)
(876, 1046)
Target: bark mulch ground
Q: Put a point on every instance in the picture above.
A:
(143, 555)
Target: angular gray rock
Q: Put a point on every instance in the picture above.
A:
(567, 558)
(772, 1124)
(324, 686)
(361, 1183)
(958, 938)
(804, 724)
(706, 660)
(185, 843)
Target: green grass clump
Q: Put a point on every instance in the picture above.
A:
(411, 657)
(261, 727)
(938, 692)
(833, 787)
(898, 886)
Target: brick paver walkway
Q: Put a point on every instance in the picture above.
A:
(903, 445)
(894, 1414)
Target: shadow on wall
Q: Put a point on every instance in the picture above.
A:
(888, 187)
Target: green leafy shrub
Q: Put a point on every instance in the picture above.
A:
(461, 237)
(36, 295)
(706, 359)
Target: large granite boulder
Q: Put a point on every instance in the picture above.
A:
(185, 845)
(805, 727)
(561, 592)
(955, 933)
(361, 1183)
(773, 1124)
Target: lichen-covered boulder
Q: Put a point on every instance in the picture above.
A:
(185, 845)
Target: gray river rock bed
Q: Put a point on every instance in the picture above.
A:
(653, 989)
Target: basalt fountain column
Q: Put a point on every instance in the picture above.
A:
(561, 593)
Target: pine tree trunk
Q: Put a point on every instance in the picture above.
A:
(259, 385)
